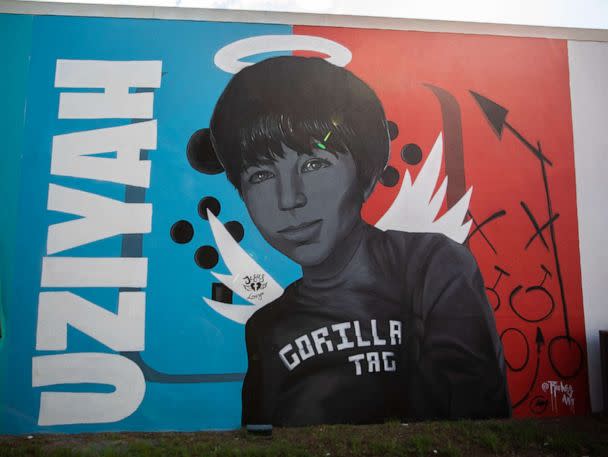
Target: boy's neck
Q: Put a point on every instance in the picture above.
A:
(336, 265)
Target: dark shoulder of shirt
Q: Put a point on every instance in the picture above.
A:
(456, 365)
(428, 263)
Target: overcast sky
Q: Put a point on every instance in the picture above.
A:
(554, 13)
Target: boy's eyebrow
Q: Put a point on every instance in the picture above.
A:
(262, 160)
(247, 168)
(321, 153)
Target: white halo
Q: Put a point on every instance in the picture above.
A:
(229, 57)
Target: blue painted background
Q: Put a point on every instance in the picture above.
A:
(183, 335)
(15, 34)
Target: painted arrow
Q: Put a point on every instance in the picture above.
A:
(540, 342)
(540, 339)
(497, 117)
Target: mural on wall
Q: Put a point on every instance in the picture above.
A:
(292, 225)
(367, 334)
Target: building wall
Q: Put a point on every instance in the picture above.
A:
(177, 351)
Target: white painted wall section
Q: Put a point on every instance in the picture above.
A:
(589, 93)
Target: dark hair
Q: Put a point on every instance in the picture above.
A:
(298, 101)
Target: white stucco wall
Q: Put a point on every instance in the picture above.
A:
(589, 94)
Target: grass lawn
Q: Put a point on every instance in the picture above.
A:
(571, 436)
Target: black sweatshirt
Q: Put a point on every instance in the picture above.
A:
(405, 331)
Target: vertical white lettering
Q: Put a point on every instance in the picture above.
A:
(123, 331)
(62, 408)
(102, 217)
(73, 154)
(115, 77)
(94, 272)
(112, 155)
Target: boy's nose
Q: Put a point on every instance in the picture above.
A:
(291, 194)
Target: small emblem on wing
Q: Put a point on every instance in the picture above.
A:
(254, 282)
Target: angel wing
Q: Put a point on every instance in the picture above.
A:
(415, 208)
(241, 265)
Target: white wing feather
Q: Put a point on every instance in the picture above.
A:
(415, 208)
(241, 265)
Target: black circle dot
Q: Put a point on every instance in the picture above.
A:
(236, 230)
(206, 257)
(390, 177)
(411, 153)
(201, 155)
(393, 130)
(182, 232)
(211, 204)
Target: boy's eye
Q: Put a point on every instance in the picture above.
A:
(314, 165)
(261, 175)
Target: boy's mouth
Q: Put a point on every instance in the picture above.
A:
(302, 232)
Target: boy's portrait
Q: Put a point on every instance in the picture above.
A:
(382, 324)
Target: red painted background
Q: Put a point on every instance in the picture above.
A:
(529, 77)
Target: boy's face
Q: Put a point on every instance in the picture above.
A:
(304, 205)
